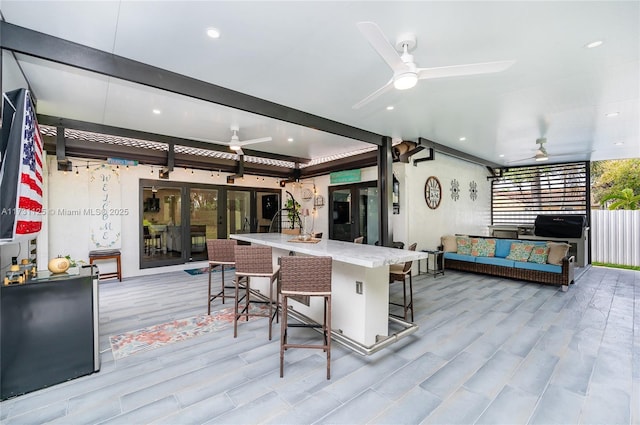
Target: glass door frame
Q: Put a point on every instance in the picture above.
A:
(355, 205)
(185, 224)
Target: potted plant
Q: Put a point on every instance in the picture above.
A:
(74, 265)
(293, 210)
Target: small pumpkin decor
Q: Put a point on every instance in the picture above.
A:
(58, 265)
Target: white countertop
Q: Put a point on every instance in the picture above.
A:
(347, 252)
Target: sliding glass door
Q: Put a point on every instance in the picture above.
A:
(203, 223)
(173, 231)
(161, 224)
(354, 212)
(342, 220)
(238, 211)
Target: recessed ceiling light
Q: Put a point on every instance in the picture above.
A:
(157, 111)
(619, 143)
(462, 139)
(213, 32)
(612, 114)
(290, 139)
(593, 44)
(501, 155)
(390, 108)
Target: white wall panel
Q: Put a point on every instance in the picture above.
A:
(615, 237)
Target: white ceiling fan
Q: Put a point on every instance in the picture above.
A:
(405, 71)
(542, 155)
(236, 144)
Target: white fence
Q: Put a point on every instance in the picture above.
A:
(615, 237)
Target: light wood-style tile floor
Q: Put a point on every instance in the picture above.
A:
(488, 351)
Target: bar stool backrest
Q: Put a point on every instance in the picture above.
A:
(221, 250)
(253, 259)
(407, 265)
(305, 274)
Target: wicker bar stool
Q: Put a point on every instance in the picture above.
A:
(399, 273)
(220, 253)
(306, 276)
(255, 261)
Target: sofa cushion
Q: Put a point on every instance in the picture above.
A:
(459, 257)
(463, 245)
(557, 251)
(520, 251)
(449, 243)
(539, 254)
(481, 247)
(503, 246)
(496, 261)
(540, 267)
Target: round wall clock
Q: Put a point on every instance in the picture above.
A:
(432, 192)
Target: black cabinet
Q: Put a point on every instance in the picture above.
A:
(48, 331)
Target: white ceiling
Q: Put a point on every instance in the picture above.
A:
(311, 56)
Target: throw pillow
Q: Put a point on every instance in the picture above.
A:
(557, 251)
(539, 254)
(503, 246)
(449, 243)
(520, 251)
(463, 245)
(481, 247)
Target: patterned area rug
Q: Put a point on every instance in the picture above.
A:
(204, 270)
(156, 336)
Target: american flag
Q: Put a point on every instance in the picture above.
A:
(21, 170)
(29, 209)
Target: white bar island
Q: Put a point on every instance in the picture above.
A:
(360, 311)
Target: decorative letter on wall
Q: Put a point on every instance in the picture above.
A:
(106, 211)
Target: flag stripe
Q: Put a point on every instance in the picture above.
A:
(26, 227)
(29, 204)
(31, 183)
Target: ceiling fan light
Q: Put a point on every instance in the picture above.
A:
(234, 147)
(541, 158)
(405, 81)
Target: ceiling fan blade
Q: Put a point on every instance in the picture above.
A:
(557, 155)
(460, 70)
(520, 160)
(258, 140)
(379, 42)
(373, 95)
(543, 126)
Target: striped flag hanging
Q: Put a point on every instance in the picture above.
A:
(20, 170)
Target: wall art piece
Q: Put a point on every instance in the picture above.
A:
(106, 207)
(455, 190)
(473, 190)
(432, 192)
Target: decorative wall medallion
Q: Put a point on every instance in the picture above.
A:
(307, 194)
(455, 190)
(473, 190)
(432, 192)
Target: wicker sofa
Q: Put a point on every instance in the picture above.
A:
(498, 259)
